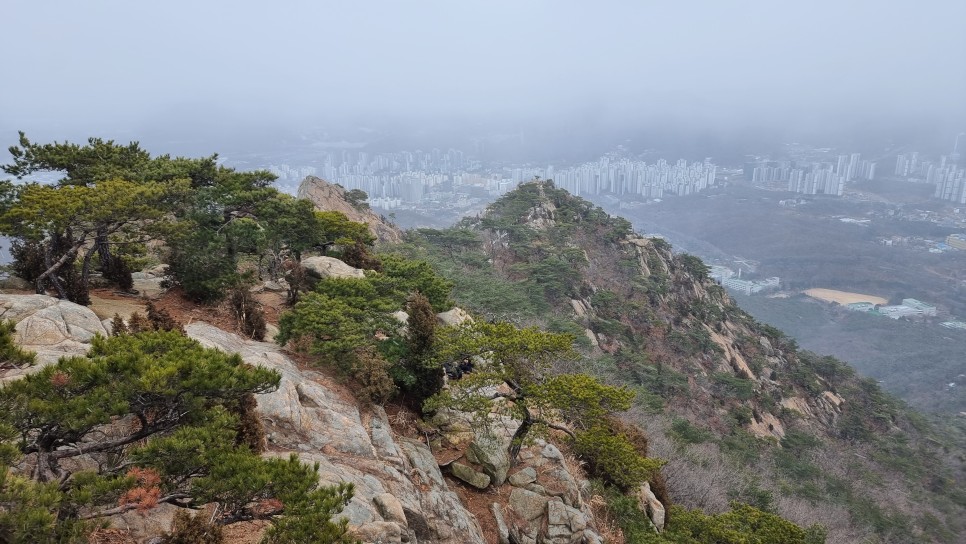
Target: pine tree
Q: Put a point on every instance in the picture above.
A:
(153, 411)
(420, 337)
(11, 356)
(522, 360)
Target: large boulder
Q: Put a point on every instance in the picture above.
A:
(453, 318)
(144, 527)
(648, 502)
(523, 477)
(490, 451)
(330, 267)
(15, 283)
(470, 475)
(305, 414)
(527, 504)
(50, 327)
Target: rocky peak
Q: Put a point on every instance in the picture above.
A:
(330, 197)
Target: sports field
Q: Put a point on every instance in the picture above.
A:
(843, 297)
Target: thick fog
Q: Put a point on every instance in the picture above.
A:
(124, 67)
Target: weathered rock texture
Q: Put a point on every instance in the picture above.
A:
(400, 494)
(454, 317)
(541, 500)
(329, 197)
(546, 503)
(330, 267)
(49, 327)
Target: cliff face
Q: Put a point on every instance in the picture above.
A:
(330, 197)
(400, 493)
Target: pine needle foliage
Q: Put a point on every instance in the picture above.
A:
(11, 356)
(156, 412)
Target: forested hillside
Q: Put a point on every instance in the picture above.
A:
(590, 386)
(737, 409)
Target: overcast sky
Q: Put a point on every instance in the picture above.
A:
(123, 63)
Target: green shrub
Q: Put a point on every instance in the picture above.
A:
(742, 446)
(10, 353)
(744, 524)
(161, 320)
(684, 431)
(694, 266)
(743, 415)
(730, 386)
(795, 467)
(613, 458)
(656, 378)
(371, 370)
(799, 441)
(693, 341)
(201, 263)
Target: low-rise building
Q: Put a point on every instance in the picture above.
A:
(926, 309)
(957, 241)
(895, 312)
(961, 325)
(861, 306)
(749, 287)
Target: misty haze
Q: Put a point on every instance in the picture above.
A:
(483, 272)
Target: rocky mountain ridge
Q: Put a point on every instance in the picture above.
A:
(737, 409)
(331, 197)
(400, 492)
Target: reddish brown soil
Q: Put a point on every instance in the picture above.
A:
(245, 532)
(478, 503)
(220, 314)
(110, 536)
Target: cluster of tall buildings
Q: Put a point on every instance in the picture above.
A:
(949, 179)
(388, 178)
(622, 176)
(399, 179)
(812, 178)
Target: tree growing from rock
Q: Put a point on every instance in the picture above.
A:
(335, 228)
(11, 356)
(142, 420)
(515, 377)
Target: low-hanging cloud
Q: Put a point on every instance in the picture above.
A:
(122, 64)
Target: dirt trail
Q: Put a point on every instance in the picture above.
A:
(105, 305)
